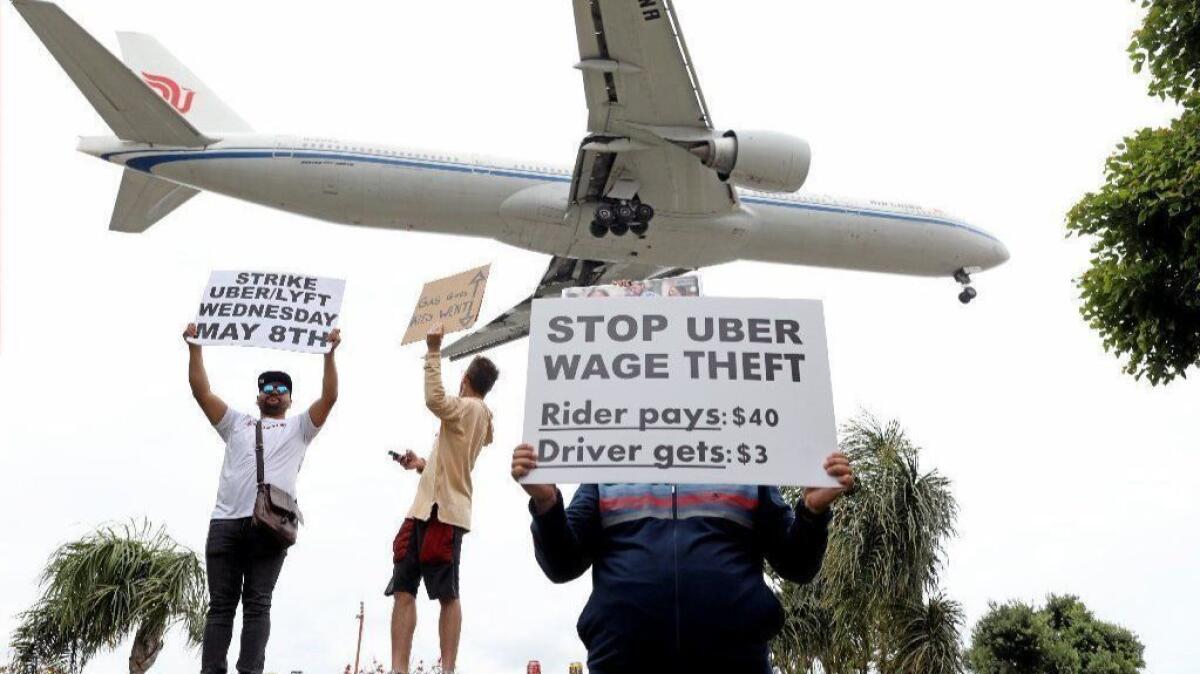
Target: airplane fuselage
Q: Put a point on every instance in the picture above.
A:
(527, 205)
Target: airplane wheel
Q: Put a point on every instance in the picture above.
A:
(967, 295)
(639, 228)
(598, 230)
(624, 213)
(619, 228)
(644, 213)
(605, 215)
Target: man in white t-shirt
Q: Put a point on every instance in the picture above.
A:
(243, 562)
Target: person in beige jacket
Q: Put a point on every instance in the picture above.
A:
(429, 544)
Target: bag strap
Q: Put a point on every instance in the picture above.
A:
(258, 450)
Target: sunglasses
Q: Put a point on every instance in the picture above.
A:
(271, 389)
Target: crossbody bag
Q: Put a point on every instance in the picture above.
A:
(275, 510)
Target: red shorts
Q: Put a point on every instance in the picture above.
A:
(430, 550)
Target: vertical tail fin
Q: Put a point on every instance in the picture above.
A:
(121, 98)
(149, 60)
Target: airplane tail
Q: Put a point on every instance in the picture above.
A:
(148, 59)
(151, 98)
(131, 108)
(144, 200)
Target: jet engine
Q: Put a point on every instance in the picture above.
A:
(761, 160)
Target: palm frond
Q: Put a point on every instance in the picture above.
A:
(927, 637)
(101, 589)
(886, 549)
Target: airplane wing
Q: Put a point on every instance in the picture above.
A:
(562, 273)
(641, 89)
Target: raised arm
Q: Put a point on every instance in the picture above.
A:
(562, 537)
(795, 539)
(445, 407)
(319, 411)
(212, 406)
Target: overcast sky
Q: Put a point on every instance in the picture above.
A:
(1071, 476)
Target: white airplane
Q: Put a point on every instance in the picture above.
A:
(656, 189)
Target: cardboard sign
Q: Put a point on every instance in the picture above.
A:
(453, 301)
(293, 312)
(680, 390)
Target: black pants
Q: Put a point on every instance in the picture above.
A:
(243, 564)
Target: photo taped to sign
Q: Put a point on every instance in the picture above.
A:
(293, 312)
(679, 286)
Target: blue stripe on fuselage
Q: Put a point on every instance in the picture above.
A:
(147, 163)
(864, 212)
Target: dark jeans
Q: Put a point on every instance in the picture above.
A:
(243, 564)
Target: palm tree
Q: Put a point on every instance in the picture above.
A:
(104, 587)
(871, 606)
(927, 636)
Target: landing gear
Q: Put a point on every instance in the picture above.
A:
(605, 215)
(602, 220)
(620, 217)
(642, 215)
(963, 276)
(624, 213)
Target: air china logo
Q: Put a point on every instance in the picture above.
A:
(171, 92)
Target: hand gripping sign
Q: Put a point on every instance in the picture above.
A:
(682, 390)
(293, 312)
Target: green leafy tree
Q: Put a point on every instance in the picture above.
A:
(1063, 637)
(875, 605)
(99, 590)
(1142, 289)
(1168, 44)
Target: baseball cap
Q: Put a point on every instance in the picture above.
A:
(275, 377)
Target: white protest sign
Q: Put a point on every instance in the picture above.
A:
(293, 312)
(679, 389)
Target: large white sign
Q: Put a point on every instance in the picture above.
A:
(681, 390)
(294, 312)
